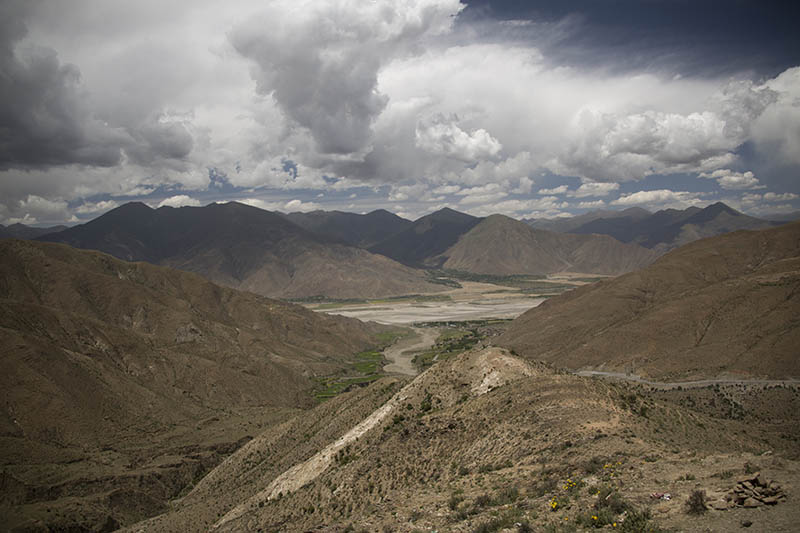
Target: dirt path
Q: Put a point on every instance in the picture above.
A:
(402, 352)
(684, 384)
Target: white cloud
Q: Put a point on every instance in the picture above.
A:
(525, 186)
(596, 204)
(485, 194)
(444, 137)
(776, 131)
(34, 209)
(319, 60)
(730, 180)
(661, 198)
(102, 206)
(290, 206)
(593, 188)
(179, 200)
(561, 189)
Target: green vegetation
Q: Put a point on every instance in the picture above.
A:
(452, 341)
(323, 302)
(514, 280)
(363, 369)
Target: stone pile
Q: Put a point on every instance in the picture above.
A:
(756, 490)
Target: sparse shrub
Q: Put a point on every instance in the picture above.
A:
(453, 502)
(484, 500)
(463, 471)
(696, 504)
(507, 495)
(597, 518)
(750, 468)
(609, 498)
(595, 464)
(638, 521)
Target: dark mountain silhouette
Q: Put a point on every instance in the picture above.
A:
(351, 228)
(718, 306)
(21, 231)
(567, 224)
(244, 247)
(421, 244)
(670, 228)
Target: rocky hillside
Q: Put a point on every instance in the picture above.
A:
(726, 305)
(109, 364)
(481, 442)
(245, 248)
(501, 246)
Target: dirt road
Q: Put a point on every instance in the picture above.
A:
(402, 352)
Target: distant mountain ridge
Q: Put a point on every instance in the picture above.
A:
(22, 231)
(427, 238)
(351, 228)
(663, 230)
(717, 306)
(246, 248)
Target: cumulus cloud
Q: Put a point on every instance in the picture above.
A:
(593, 188)
(320, 60)
(730, 180)
(776, 131)
(179, 200)
(444, 137)
(485, 194)
(561, 189)
(661, 198)
(90, 208)
(292, 206)
(46, 119)
(34, 209)
(596, 204)
(754, 198)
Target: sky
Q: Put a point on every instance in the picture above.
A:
(531, 109)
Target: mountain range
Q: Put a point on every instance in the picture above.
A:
(354, 229)
(718, 306)
(134, 390)
(660, 231)
(500, 245)
(22, 231)
(246, 248)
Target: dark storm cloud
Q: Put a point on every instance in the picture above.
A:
(44, 118)
(693, 37)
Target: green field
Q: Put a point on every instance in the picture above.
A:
(365, 368)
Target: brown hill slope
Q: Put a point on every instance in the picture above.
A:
(481, 442)
(245, 248)
(500, 245)
(727, 304)
(107, 364)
